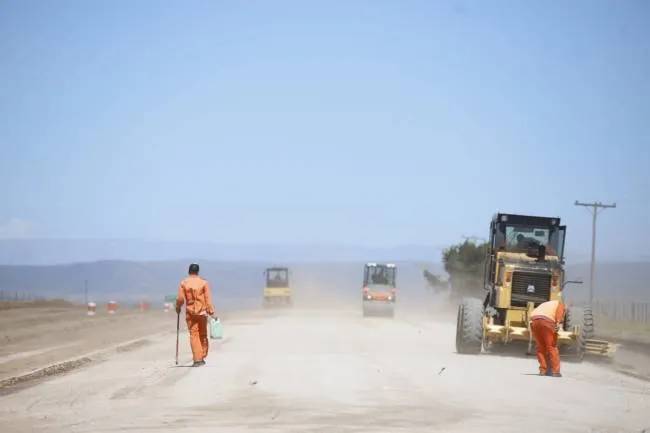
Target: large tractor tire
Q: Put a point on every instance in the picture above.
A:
(588, 329)
(584, 318)
(469, 326)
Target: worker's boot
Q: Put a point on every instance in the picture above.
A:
(556, 374)
(198, 363)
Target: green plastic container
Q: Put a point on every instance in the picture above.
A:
(216, 330)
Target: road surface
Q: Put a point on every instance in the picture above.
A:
(327, 371)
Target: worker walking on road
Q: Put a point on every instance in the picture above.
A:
(194, 292)
(546, 321)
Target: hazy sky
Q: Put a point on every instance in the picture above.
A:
(371, 123)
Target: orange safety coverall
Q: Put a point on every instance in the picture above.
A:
(194, 292)
(544, 322)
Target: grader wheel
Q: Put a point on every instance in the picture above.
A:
(469, 326)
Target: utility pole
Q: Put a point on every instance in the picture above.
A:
(85, 292)
(595, 208)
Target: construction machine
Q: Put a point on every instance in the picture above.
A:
(524, 267)
(379, 290)
(277, 291)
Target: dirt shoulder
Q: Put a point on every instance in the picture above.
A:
(633, 346)
(37, 336)
(638, 333)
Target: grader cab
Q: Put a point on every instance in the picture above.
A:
(524, 267)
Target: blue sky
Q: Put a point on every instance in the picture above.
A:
(364, 123)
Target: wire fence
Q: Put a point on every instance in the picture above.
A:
(18, 296)
(623, 311)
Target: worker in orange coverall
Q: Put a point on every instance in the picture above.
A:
(194, 292)
(546, 321)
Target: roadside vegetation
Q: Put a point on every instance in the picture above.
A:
(463, 263)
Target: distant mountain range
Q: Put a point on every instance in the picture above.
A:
(130, 281)
(132, 269)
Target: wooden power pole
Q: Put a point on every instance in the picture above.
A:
(595, 208)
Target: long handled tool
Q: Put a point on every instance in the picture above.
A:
(178, 327)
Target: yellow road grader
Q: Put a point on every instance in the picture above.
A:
(524, 267)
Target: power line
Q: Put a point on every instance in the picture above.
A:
(595, 208)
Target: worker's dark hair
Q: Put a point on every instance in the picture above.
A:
(194, 269)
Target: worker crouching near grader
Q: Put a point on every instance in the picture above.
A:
(546, 321)
(194, 292)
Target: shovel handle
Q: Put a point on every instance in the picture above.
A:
(178, 327)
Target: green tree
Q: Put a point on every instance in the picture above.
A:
(464, 263)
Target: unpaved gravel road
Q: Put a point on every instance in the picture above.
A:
(328, 371)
